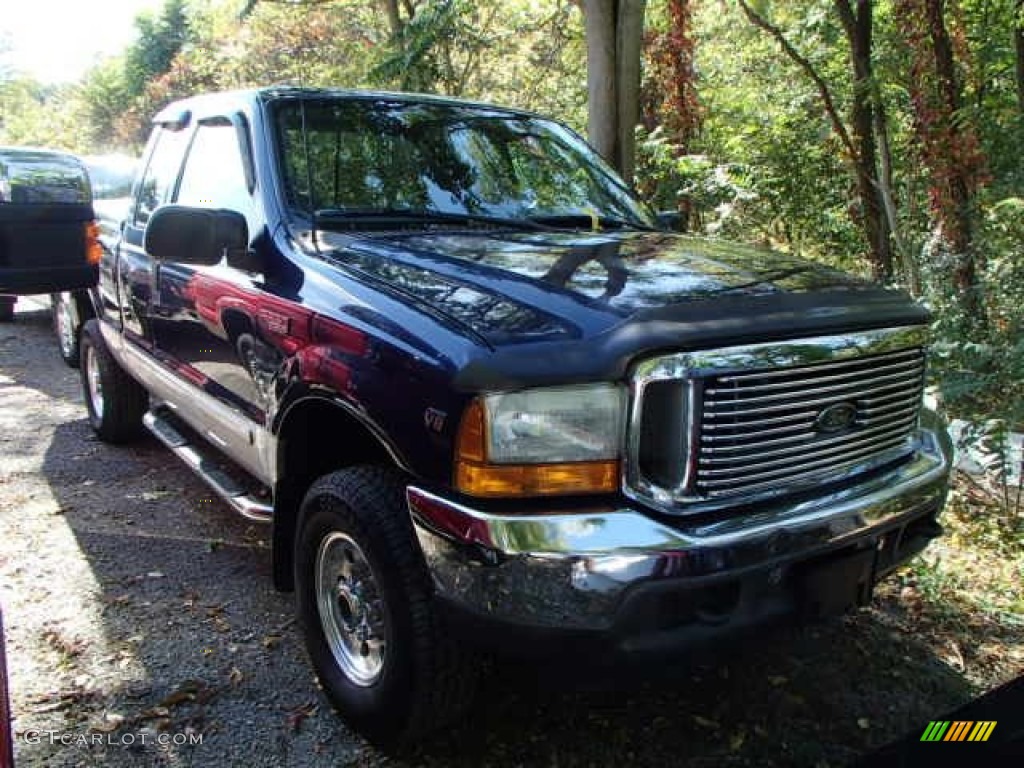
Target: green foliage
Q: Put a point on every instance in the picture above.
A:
(982, 377)
(36, 115)
(991, 97)
(104, 97)
(712, 195)
(159, 40)
(446, 47)
(764, 123)
(421, 57)
(321, 45)
(449, 47)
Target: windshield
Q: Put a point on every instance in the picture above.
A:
(366, 156)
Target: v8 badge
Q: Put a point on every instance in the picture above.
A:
(435, 419)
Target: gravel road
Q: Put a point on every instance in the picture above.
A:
(143, 630)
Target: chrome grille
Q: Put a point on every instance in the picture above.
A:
(759, 428)
(708, 428)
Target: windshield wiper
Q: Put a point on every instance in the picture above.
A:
(587, 221)
(353, 218)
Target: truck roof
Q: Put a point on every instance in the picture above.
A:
(220, 101)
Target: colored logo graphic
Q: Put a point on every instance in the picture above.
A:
(958, 730)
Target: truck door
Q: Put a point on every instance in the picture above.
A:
(206, 317)
(135, 274)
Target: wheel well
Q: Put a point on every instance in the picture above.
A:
(317, 437)
(235, 324)
(84, 306)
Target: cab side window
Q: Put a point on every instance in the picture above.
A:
(214, 175)
(161, 173)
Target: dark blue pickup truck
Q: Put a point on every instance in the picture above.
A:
(484, 400)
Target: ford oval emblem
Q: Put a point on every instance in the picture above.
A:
(836, 418)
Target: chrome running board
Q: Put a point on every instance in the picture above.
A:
(200, 459)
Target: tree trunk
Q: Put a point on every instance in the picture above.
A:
(669, 96)
(959, 234)
(602, 98)
(858, 28)
(614, 31)
(394, 20)
(629, 34)
(867, 125)
(949, 147)
(907, 266)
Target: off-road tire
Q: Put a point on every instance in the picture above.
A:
(426, 679)
(115, 401)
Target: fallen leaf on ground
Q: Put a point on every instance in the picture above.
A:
(298, 715)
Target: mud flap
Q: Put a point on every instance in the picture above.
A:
(837, 584)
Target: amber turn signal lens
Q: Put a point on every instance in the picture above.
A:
(472, 438)
(511, 480)
(93, 247)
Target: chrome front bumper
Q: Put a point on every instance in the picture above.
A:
(574, 569)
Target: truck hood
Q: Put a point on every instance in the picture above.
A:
(631, 291)
(576, 284)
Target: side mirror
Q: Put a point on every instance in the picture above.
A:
(195, 235)
(670, 221)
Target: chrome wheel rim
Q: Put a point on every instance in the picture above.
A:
(351, 609)
(65, 326)
(93, 382)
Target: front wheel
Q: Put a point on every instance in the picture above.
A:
(376, 641)
(67, 327)
(116, 402)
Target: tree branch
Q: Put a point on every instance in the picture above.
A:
(826, 96)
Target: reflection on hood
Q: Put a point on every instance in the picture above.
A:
(531, 285)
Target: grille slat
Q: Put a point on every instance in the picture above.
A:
(802, 416)
(886, 410)
(817, 368)
(837, 390)
(892, 372)
(759, 428)
(741, 478)
(719, 454)
(728, 433)
(906, 389)
(718, 465)
(724, 487)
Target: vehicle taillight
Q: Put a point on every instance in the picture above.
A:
(93, 246)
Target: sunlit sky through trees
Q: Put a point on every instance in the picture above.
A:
(57, 40)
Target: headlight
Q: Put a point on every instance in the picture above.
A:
(542, 442)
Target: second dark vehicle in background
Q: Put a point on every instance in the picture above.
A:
(110, 178)
(48, 240)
